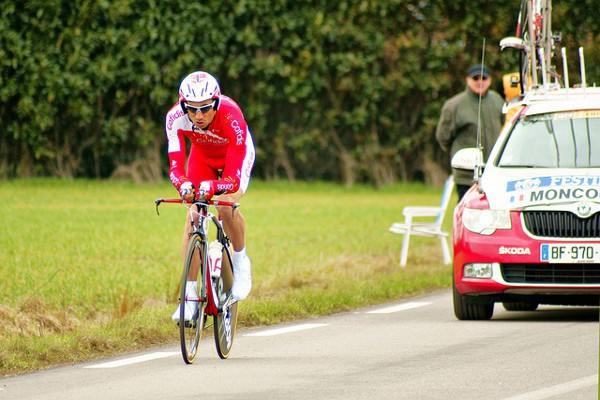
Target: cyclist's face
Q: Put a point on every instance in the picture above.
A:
(478, 84)
(201, 113)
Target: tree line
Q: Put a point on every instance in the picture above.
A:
(343, 91)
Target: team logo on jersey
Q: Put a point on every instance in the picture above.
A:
(239, 133)
(172, 117)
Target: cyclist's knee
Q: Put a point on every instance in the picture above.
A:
(227, 214)
(224, 211)
(232, 197)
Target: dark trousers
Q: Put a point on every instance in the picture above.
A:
(461, 190)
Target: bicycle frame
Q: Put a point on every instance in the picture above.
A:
(199, 220)
(535, 41)
(214, 297)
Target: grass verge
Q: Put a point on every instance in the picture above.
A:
(89, 270)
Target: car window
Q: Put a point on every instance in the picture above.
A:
(555, 140)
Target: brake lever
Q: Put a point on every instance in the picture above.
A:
(157, 202)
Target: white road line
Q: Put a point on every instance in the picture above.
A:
(399, 307)
(271, 332)
(556, 390)
(280, 331)
(135, 360)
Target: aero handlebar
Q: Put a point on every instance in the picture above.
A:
(200, 203)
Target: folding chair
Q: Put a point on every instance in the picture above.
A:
(425, 229)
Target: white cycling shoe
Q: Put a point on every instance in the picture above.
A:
(191, 307)
(242, 281)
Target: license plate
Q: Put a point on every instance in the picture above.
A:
(570, 253)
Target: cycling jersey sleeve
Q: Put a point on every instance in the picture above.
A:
(176, 147)
(237, 132)
(177, 164)
(230, 180)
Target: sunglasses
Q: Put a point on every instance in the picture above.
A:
(477, 77)
(203, 109)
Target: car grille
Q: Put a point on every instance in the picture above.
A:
(561, 224)
(551, 273)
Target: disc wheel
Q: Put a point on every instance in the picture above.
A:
(190, 331)
(226, 320)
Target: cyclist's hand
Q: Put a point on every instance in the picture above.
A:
(206, 190)
(186, 191)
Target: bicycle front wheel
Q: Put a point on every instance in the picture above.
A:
(226, 320)
(190, 330)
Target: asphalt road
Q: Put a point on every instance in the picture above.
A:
(413, 349)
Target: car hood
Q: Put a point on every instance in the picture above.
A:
(527, 188)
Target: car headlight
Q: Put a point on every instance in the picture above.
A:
(485, 222)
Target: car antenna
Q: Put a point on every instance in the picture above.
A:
(479, 164)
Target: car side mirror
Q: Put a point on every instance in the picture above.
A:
(469, 159)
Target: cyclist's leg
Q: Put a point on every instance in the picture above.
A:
(198, 170)
(226, 320)
(190, 286)
(234, 224)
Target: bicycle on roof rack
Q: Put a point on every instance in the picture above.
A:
(208, 261)
(536, 44)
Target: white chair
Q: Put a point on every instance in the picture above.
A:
(426, 229)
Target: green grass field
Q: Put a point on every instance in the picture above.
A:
(87, 268)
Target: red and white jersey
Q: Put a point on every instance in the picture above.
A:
(225, 145)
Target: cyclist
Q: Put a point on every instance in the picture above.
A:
(221, 143)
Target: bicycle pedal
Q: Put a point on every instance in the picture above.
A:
(228, 302)
(190, 324)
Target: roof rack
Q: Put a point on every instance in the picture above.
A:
(535, 42)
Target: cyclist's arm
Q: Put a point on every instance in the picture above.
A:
(176, 146)
(177, 167)
(237, 132)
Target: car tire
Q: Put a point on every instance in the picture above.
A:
(465, 311)
(520, 306)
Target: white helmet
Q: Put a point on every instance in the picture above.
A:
(199, 86)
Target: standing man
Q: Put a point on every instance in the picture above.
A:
(457, 127)
(219, 164)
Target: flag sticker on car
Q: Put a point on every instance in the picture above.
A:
(517, 198)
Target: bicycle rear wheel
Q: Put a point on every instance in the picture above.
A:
(190, 331)
(527, 55)
(226, 320)
(535, 60)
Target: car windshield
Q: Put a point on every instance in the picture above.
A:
(554, 140)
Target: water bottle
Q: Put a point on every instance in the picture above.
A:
(215, 258)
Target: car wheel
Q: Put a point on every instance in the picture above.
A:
(465, 311)
(520, 306)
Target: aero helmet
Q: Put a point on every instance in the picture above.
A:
(199, 86)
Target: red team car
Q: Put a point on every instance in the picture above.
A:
(528, 231)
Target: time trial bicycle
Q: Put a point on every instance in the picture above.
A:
(208, 261)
